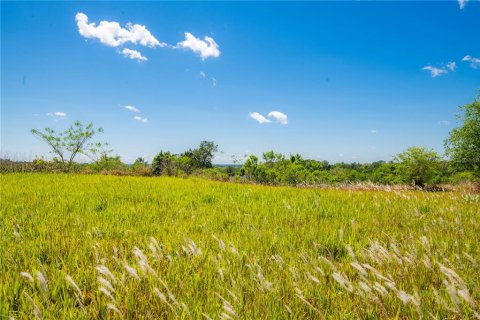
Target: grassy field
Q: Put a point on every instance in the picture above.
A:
(75, 246)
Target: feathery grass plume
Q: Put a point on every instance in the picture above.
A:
(36, 310)
(343, 281)
(74, 285)
(312, 278)
(164, 300)
(27, 275)
(380, 289)
(359, 268)
(111, 306)
(221, 244)
(193, 249)
(155, 249)
(229, 311)
(106, 272)
(107, 293)
(105, 283)
(42, 280)
(131, 271)
(143, 261)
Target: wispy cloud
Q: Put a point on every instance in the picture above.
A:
(202, 74)
(141, 119)
(462, 3)
(206, 48)
(444, 123)
(474, 62)
(452, 65)
(58, 115)
(133, 54)
(279, 116)
(112, 34)
(372, 131)
(435, 72)
(258, 117)
(214, 82)
(132, 108)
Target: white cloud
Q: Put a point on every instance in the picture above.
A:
(141, 119)
(444, 123)
(202, 74)
(435, 72)
(214, 82)
(205, 48)
(372, 131)
(133, 54)
(462, 3)
(452, 65)
(112, 34)
(474, 62)
(258, 117)
(57, 114)
(279, 116)
(132, 108)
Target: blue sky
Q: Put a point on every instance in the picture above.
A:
(349, 76)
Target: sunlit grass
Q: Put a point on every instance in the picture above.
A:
(74, 246)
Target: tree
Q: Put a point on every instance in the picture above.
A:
(162, 163)
(463, 143)
(202, 156)
(417, 165)
(68, 144)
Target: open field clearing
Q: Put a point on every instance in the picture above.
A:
(78, 246)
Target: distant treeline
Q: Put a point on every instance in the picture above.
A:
(415, 166)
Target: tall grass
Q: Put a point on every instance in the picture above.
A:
(74, 246)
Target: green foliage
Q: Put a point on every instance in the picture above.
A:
(463, 143)
(418, 166)
(166, 248)
(66, 145)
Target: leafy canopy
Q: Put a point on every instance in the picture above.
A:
(463, 143)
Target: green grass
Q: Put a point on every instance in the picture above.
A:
(203, 249)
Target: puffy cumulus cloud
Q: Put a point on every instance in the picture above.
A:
(206, 48)
(132, 108)
(133, 54)
(474, 62)
(112, 34)
(141, 119)
(258, 117)
(435, 72)
(279, 116)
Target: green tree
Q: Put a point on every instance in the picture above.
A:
(463, 143)
(162, 163)
(68, 144)
(202, 156)
(250, 166)
(418, 166)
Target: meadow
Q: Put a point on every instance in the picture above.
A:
(92, 246)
